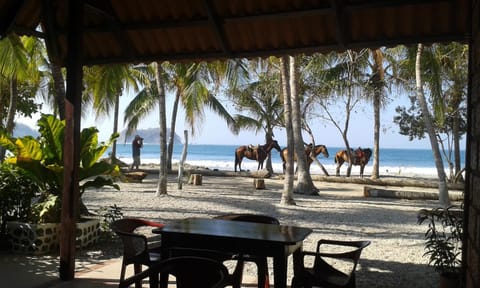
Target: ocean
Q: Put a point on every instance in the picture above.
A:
(393, 162)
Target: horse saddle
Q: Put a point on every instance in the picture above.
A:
(358, 155)
(251, 147)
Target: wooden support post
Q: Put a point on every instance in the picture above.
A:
(259, 183)
(71, 153)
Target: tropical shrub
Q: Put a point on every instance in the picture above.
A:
(42, 159)
(443, 238)
(17, 191)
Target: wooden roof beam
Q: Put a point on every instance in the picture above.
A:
(278, 15)
(216, 25)
(341, 22)
(308, 49)
(113, 25)
(8, 21)
(51, 40)
(380, 4)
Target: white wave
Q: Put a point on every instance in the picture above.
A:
(250, 165)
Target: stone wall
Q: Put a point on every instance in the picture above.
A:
(35, 239)
(44, 238)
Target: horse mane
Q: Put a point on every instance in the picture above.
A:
(368, 153)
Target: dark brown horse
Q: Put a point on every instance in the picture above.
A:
(360, 157)
(258, 153)
(308, 149)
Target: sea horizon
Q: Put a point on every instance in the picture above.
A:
(393, 161)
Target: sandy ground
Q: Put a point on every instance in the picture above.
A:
(394, 259)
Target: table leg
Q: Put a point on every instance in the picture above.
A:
(297, 261)
(280, 270)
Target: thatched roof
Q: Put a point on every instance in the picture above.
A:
(150, 30)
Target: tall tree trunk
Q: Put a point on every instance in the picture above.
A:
(287, 193)
(116, 114)
(171, 138)
(377, 100)
(456, 131)
(12, 109)
(345, 131)
(162, 177)
(59, 84)
(376, 136)
(304, 180)
(268, 139)
(349, 153)
(442, 183)
(456, 143)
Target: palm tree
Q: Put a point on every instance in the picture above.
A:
(377, 83)
(189, 81)
(304, 180)
(52, 89)
(335, 80)
(18, 67)
(442, 183)
(454, 60)
(287, 193)
(162, 172)
(190, 90)
(260, 101)
(104, 86)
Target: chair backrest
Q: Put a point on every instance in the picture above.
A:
(353, 255)
(128, 225)
(189, 272)
(134, 245)
(246, 217)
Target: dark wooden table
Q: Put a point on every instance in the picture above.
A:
(269, 240)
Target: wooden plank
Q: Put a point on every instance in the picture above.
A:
(405, 194)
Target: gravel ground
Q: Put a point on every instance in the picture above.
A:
(394, 259)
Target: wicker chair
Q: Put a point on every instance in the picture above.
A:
(136, 249)
(323, 274)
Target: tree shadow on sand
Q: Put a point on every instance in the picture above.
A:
(388, 274)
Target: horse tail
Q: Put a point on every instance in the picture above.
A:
(283, 156)
(236, 161)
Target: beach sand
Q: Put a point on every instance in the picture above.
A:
(394, 259)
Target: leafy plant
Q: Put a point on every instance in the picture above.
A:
(17, 190)
(443, 238)
(42, 159)
(108, 215)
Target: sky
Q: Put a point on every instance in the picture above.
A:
(215, 131)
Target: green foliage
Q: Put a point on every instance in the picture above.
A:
(17, 190)
(411, 123)
(443, 238)
(47, 209)
(109, 214)
(42, 158)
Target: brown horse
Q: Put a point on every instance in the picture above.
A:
(308, 149)
(258, 153)
(360, 157)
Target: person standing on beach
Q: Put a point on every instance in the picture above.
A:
(137, 144)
